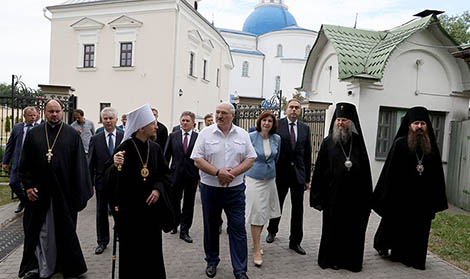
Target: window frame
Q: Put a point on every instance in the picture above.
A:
(437, 118)
(277, 85)
(128, 53)
(89, 56)
(192, 56)
(245, 68)
(279, 50)
(205, 64)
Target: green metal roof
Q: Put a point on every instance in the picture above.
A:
(364, 53)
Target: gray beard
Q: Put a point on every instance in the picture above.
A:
(341, 135)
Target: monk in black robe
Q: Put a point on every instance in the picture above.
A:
(54, 173)
(140, 189)
(410, 191)
(342, 189)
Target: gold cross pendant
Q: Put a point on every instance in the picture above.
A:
(49, 155)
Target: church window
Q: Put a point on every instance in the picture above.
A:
(89, 56)
(278, 83)
(191, 64)
(307, 50)
(279, 51)
(126, 54)
(218, 78)
(389, 122)
(245, 69)
(204, 69)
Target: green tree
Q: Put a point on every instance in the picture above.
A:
(8, 124)
(5, 89)
(458, 26)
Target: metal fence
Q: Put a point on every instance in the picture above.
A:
(458, 175)
(315, 118)
(246, 115)
(11, 112)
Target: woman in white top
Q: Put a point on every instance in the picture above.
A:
(262, 201)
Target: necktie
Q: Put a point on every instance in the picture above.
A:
(292, 135)
(28, 127)
(110, 144)
(185, 143)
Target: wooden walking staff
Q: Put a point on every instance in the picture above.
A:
(116, 211)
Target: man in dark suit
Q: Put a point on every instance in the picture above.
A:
(184, 173)
(292, 172)
(162, 131)
(102, 146)
(13, 151)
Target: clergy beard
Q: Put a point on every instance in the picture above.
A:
(419, 140)
(153, 138)
(341, 135)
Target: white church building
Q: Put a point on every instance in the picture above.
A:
(269, 53)
(124, 53)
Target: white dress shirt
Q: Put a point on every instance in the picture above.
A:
(295, 128)
(189, 135)
(106, 137)
(223, 151)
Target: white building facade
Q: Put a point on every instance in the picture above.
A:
(270, 52)
(408, 66)
(126, 53)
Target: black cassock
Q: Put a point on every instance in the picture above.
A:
(345, 198)
(65, 181)
(138, 224)
(408, 202)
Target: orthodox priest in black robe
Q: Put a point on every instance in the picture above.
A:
(54, 173)
(410, 191)
(139, 180)
(342, 189)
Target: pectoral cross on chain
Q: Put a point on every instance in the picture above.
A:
(49, 155)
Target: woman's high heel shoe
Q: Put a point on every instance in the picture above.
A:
(257, 259)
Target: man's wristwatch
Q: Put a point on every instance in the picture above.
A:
(217, 173)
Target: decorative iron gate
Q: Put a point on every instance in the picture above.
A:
(11, 111)
(246, 115)
(315, 118)
(11, 108)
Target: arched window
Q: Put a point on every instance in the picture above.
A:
(307, 50)
(278, 83)
(245, 69)
(279, 50)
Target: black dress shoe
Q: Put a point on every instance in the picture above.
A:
(174, 231)
(383, 252)
(297, 248)
(100, 249)
(31, 275)
(186, 237)
(270, 237)
(241, 276)
(19, 208)
(211, 271)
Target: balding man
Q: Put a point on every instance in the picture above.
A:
(54, 173)
(223, 152)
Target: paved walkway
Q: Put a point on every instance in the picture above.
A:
(184, 260)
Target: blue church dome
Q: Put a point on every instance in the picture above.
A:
(265, 19)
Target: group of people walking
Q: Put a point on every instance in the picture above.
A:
(245, 175)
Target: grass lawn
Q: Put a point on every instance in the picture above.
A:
(450, 239)
(5, 194)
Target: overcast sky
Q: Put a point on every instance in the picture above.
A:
(25, 32)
